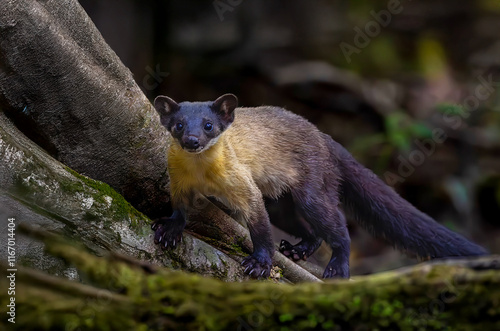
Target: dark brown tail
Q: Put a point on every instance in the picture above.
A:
(379, 209)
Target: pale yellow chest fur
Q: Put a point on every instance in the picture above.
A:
(211, 173)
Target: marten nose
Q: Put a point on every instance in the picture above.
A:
(192, 142)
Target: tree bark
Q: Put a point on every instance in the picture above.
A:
(69, 92)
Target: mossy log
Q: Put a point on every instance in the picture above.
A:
(122, 294)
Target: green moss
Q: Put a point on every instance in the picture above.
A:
(356, 301)
(286, 318)
(119, 208)
(232, 249)
(173, 261)
(236, 248)
(195, 303)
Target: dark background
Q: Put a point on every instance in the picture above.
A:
(378, 76)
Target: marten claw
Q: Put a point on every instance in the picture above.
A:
(257, 266)
(329, 273)
(168, 231)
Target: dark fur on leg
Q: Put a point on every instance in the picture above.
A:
(339, 262)
(318, 202)
(258, 265)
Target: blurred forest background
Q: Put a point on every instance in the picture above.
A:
(409, 87)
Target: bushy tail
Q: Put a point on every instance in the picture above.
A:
(379, 209)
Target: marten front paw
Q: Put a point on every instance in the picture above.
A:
(168, 231)
(257, 266)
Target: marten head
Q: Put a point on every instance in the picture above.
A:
(196, 126)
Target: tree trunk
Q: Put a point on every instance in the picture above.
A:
(68, 91)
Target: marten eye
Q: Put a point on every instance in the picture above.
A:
(179, 126)
(208, 126)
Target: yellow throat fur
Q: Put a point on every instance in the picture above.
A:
(204, 172)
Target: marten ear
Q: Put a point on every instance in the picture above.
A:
(224, 107)
(165, 106)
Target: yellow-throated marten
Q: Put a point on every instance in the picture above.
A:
(240, 155)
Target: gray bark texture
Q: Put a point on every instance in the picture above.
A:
(69, 92)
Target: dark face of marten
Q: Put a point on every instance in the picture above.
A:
(196, 126)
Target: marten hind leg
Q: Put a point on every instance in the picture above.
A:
(297, 226)
(320, 207)
(340, 242)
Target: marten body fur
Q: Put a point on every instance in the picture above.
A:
(241, 155)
